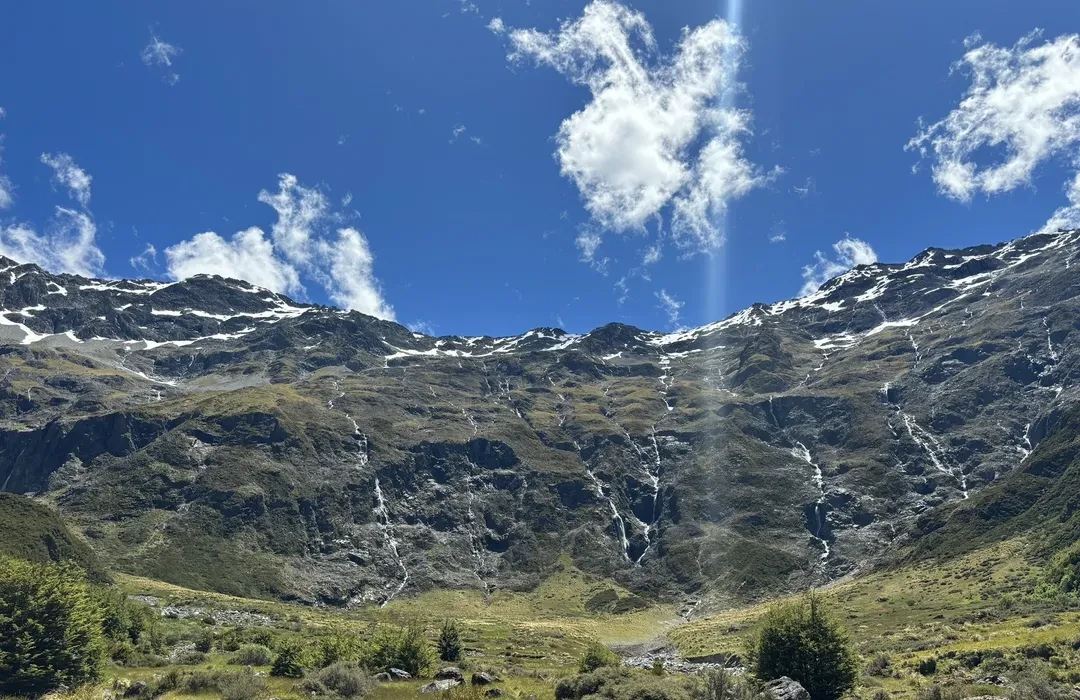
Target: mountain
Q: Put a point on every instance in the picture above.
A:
(34, 532)
(220, 436)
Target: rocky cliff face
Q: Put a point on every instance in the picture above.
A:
(218, 435)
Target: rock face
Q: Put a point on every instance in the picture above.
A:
(220, 436)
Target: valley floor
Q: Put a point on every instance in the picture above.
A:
(972, 615)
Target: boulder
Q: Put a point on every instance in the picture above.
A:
(494, 693)
(398, 675)
(137, 690)
(451, 673)
(439, 685)
(784, 688)
(383, 677)
(482, 678)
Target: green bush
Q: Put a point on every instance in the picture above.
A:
(124, 619)
(1062, 575)
(597, 656)
(205, 641)
(289, 663)
(450, 641)
(191, 658)
(50, 629)
(802, 641)
(253, 655)
(879, 665)
(335, 647)
(241, 686)
(721, 684)
(927, 666)
(622, 683)
(657, 667)
(406, 648)
(346, 680)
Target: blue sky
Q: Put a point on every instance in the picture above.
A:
(411, 165)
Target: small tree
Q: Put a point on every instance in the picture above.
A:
(597, 656)
(50, 629)
(802, 641)
(450, 641)
(289, 663)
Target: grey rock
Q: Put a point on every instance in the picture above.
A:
(483, 678)
(450, 673)
(383, 677)
(494, 692)
(785, 688)
(439, 686)
(400, 675)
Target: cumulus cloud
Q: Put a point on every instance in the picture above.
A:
(670, 306)
(1023, 106)
(850, 252)
(160, 54)
(497, 26)
(248, 255)
(653, 138)
(1067, 217)
(67, 174)
(304, 241)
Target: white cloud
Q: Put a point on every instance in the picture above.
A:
(146, 259)
(349, 276)
(300, 243)
(653, 254)
(653, 136)
(587, 242)
(806, 190)
(7, 190)
(497, 26)
(778, 233)
(421, 326)
(670, 306)
(70, 175)
(249, 256)
(458, 131)
(850, 252)
(299, 209)
(68, 245)
(1023, 105)
(160, 54)
(1067, 217)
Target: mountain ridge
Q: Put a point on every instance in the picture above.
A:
(299, 451)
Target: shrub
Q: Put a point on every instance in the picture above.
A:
(124, 619)
(289, 662)
(879, 665)
(657, 667)
(721, 684)
(450, 641)
(205, 641)
(50, 629)
(121, 652)
(1034, 683)
(802, 641)
(927, 667)
(880, 694)
(253, 655)
(241, 686)
(335, 647)
(346, 680)
(597, 656)
(405, 648)
(611, 682)
(190, 658)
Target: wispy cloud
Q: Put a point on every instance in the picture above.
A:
(422, 326)
(778, 233)
(1024, 103)
(160, 54)
(653, 139)
(457, 132)
(671, 306)
(850, 252)
(68, 242)
(7, 190)
(809, 188)
(67, 174)
(145, 260)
